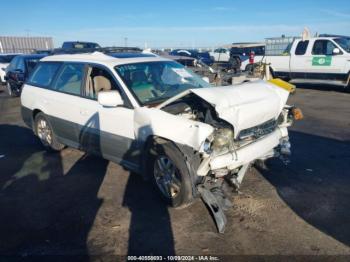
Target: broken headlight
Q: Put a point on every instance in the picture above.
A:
(223, 140)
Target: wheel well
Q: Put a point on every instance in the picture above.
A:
(35, 112)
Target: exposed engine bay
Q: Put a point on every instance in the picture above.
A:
(219, 183)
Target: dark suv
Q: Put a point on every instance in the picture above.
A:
(201, 56)
(79, 45)
(18, 71)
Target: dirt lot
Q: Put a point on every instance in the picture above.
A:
(74, 204)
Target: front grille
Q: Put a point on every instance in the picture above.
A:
(258, 131)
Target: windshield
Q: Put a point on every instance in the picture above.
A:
(154, 82)
(344, 42)
(31, 63)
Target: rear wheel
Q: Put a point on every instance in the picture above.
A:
(170, 175)
(44, 131)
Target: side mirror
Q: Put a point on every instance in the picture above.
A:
(3, 69)
(336, 51)
(206, 79)
(110, 98)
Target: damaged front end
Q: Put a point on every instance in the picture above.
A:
(230, 128)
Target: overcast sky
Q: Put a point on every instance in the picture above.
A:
(156, 23)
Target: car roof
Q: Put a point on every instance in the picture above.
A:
(101, 58)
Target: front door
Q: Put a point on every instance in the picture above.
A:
(107, 131)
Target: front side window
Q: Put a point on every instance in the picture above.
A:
(12, 65)
(44, 73)
(154, 82)
(323, 47)
(70, 79)
(301, 47)
(98, 80)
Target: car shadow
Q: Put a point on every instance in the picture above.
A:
(315, 185)
(44, 209)
(150, 231)
(321, 87)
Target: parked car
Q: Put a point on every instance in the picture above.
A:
(220, 55)
(317, 60)
(18, 71)
(80, 45)
(201, 56)
(5, 60)
(239, 54)
(157, 118)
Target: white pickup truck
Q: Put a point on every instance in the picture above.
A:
(324, 59)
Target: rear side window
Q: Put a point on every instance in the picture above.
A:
(70, 79)
(44, 74)
(301, 47)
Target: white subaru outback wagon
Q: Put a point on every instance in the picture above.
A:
(157, 118)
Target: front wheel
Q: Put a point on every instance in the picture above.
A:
(44, 131)
(170, 175)
(9, 90)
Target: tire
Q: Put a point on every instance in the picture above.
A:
(178, 191)
(9, 90)
(43, 130)
(249, 68)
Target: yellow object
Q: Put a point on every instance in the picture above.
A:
(283, 84)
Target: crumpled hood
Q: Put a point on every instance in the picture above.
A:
(245, 105)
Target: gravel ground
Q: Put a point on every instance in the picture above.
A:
(70, 203)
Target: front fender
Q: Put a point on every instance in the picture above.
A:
(155, 122)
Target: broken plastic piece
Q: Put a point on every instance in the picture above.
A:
(210, 200)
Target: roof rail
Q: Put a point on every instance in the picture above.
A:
(105, 50)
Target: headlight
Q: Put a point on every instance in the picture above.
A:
(223, 139)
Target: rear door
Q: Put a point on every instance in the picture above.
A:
(63, 102)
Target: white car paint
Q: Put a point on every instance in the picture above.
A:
(3, 67)
(152, 121)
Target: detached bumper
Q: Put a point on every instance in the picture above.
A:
(256, 150)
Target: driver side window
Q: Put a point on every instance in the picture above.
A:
(97, 80)
(323, 47)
